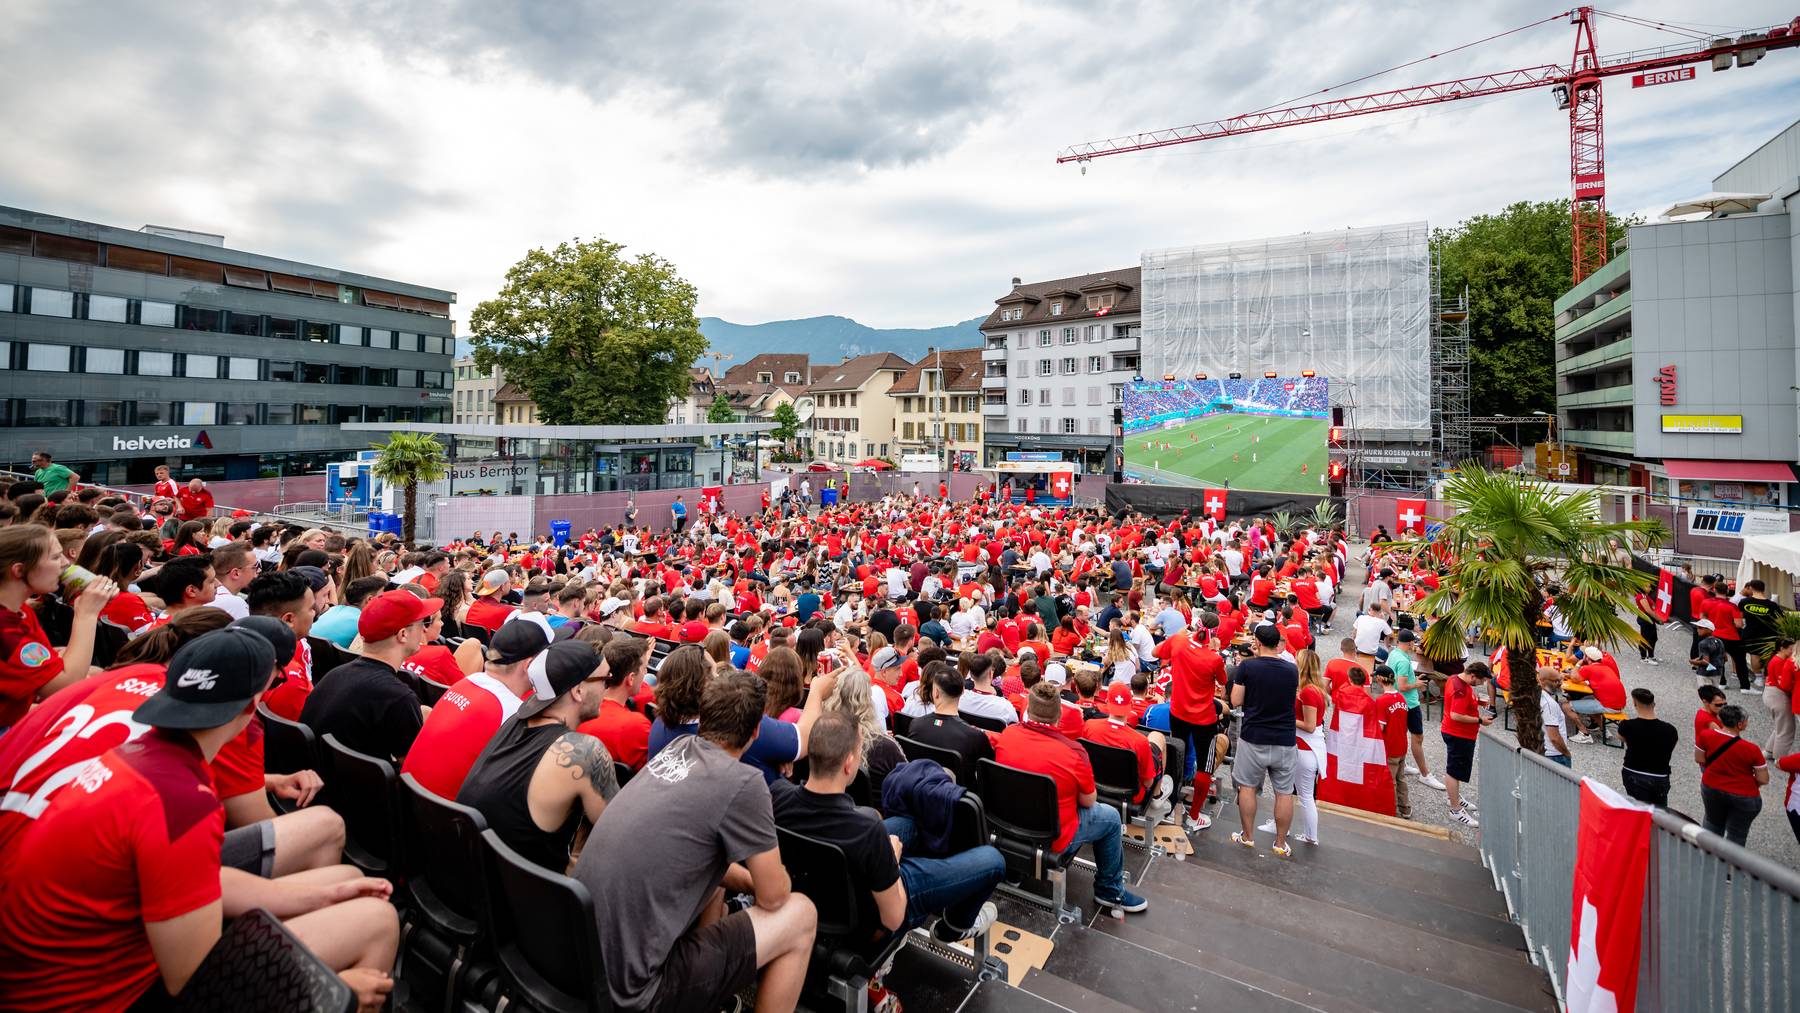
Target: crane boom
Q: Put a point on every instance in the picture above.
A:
(1578, 86)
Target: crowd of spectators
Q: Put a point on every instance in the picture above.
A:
(1152, 402)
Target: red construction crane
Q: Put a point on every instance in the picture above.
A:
(1577, 87)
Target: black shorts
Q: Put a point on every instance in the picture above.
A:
(708, 965)
(1459, 758)
(251, 849)
(1415, 720)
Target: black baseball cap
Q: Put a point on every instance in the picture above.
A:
(1267, 635)
(315, 577)
(279, 635)
(516, 642)
(211, 679)
(566, 665)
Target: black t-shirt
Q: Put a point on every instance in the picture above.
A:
(1760, 616)
(1270, 688)
(370, 708)
(952, 732)
(499, 787)
(835, 819)
(883, 621)
(1649, 742)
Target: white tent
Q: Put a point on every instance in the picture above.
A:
(1773, 559)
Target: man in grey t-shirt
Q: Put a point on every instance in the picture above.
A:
(692, 825)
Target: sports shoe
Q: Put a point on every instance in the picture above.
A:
(1268, 827)
(1465, 817)
(1195, 824)
(1651, 661)
(1155, 810)
(1282, 850)
(1165, 788)
(1412, 768)
(1432, 781)
(1749, 691)
(984, 920)
(1126, 901)
(1583, 738)
(1237, 837)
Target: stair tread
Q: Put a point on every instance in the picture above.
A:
(1378, 967)
(1155, 982)
(999, 997)
(1066, 993)
(1346, 886)
(1338, 822)
(1366, 931)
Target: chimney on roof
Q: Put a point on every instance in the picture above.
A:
(1017, 282)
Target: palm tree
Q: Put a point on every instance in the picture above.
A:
(1511, 542)
(406, 460)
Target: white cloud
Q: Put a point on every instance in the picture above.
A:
(891, 162)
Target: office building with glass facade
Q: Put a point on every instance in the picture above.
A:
(121, 350)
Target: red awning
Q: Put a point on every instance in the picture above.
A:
(1731, 471)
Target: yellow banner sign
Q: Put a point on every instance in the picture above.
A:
(1702, 423)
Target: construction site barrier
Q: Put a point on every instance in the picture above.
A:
(1721, 923)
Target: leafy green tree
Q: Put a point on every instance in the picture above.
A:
(719, 412)
(593, 337)
(1515, 263)
(407, 460)
(1511, 545)
(787, 423)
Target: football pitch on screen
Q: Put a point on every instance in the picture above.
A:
(1262, 452)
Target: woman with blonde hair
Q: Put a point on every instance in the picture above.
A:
(359, 562)
(1309, 720)
(854, 696)
(717, 647)
(1121, 660)
(783, 673)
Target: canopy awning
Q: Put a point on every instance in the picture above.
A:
(1716, 203)
(1730, 471)
(1772, 559)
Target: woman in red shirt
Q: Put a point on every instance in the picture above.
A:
(1064, 641)
(1732, 773)
(1309, 720)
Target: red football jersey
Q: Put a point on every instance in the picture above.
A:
(27, 662)
(293, 685)
(133, 838)
(457, 730)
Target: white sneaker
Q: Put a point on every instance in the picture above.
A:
(1431, 781)
(983, 921)
(1466, 818)
(1195, 824)
(1267, 828)
(1583, 738)
(1651, 661)
(1155, 810)
(1749, 692)
(1413, 769)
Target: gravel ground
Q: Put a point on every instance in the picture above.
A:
(1673, 683)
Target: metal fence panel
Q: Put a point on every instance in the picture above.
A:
(1499, 802)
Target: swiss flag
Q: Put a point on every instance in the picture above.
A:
(1502, 672)
(1612, 856)
(1664, 598)
(1409, 515)
(1060, 484)
(1356, 770)
(710, 497)
(1214, 504)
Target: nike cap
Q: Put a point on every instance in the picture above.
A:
(211, 679)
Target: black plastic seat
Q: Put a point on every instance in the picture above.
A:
(984, 722)
(259, 965)
(1022, 814)
(950, 759)
(364, 790)
(443, 882)
(850, 944)
(431, 691)
(544, 933)
(621, 772)
(1115, 776)
(288, 746)
(902, 722)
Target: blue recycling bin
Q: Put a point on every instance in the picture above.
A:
(377, 523)
(559, 532)
(828, 497)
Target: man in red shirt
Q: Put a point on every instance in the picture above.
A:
(1115, 730)
(1608, 696)
(1337, 670)
(1196, 670)
(195, 501)
(490, 608)
(624, 732)
(165, 486)
(466, 717)
(287, 595)
(117, 889)
(1035, 745)
(654, 623)
(1390, 706)
(1462, 723)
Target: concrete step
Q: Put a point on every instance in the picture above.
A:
(1114, 964)
(1069, 995)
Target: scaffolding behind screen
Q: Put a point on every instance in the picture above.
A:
(1352, 305)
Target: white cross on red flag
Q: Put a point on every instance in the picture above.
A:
(1059, 484)
(1664, 598)
(1214, 503)
(1356, 770)
(1409, 515)
(1612, 856)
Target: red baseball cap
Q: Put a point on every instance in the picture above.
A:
(1117, 700)
(693, 631)
(389, 612)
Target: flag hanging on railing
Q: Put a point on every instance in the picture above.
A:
(1356, 771)
(1612, 857)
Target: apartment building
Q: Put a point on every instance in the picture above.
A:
(938, 407)
(1055, 357)
(852, 412)
(758, 386)
(473, 392)
(691, 410)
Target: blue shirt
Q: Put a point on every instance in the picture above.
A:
(679, 508)
(1169, 622)
(777, 742)
(1157, 717)
(740, 655)
(338, 625)
(805, 605)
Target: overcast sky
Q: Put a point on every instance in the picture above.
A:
(886, 161)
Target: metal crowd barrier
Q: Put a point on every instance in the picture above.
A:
(1721, 923)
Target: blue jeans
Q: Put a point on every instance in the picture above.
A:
(1562, 759)
(955, 886)
(1100, 827)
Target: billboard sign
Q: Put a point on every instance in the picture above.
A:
(1702, 423)
(1725, 522)
(1656, 77)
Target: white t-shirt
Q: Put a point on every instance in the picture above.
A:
(1145, 644)
(230, 604)
(984, 705)
(1553, 718)
(1234, 562)
(1368, 631)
